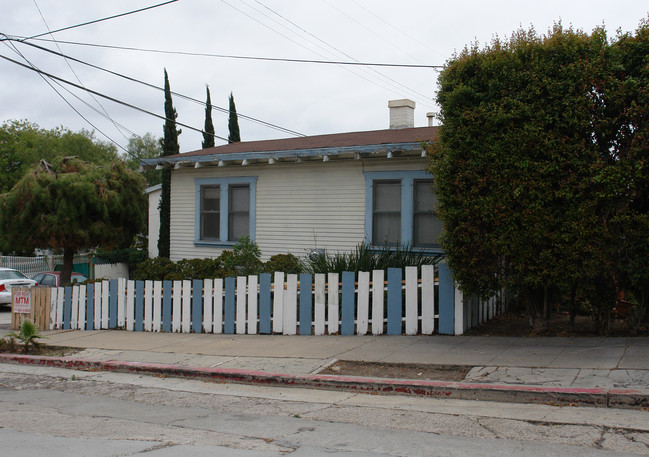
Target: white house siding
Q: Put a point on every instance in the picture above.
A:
(299, 206)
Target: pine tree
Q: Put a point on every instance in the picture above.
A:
(233, 123)
(208, 130)
(169, 147)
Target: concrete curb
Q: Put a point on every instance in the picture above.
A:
(598, 397)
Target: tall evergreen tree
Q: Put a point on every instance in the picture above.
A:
(233, 123)
(208, 130)
(169, 147)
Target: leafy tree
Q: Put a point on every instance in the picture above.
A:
(71, 205)
(144, 147)
(208, 130)
(169, 147)
(23, 144)
(233, 123)
(525, 173)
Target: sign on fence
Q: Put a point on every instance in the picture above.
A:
(33, 304)
(22, 300)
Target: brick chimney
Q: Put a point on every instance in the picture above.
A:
(402, 114)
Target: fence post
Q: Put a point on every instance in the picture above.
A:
(348, 302)
(306, 304)
(446, 301)
(395, 312)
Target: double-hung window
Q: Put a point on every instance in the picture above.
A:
(224, 210)
(400, 209)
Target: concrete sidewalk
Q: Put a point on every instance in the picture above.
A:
(593, 371)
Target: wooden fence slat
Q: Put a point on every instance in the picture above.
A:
(228, 324)
(378, 302)
(306, 303)
(130, 305)
(252, 305)
(81, 321)
(348, 303)
(241, 306)
(264, 303)
(148, 305)
(395, 310)
(427, 299)
(197, 305)
(167, 287)
(90, 306)
(362, 318)
(208, 305)
(121, 302)
(333, 306)
(176, 316)
(104, 304)
(97, 301)
(139, 306)
(112, 310)
(290, 305)
(458, 300)
(186, 311)
(446, 322)
(217, 324)
(74, 315)
(278, 302)
(157, 306)
(320, 303)
(67, 307)
(54, 309)
(412, 318)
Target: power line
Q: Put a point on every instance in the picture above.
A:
(75, 73)
(107, 97)
(100, 20)
(42, 75)
(239, 57)
(186, 97)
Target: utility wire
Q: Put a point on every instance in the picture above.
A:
(75, 73)
(186, 97)
(42, 75)
(107, 97)
(229, 56)
(100, 20)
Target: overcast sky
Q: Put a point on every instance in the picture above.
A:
(308, 98)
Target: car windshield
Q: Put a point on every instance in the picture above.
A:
(11, 274)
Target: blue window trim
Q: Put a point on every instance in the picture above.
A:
(224, 184)
(407, 179)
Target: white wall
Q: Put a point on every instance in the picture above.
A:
(154, 220)
(299, 206)
(111, 271)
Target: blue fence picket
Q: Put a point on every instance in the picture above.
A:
(264, 303)
(197, 305)
(230, 286)
(112, 308)
(347, 303)
(446, 301)
(306, 303)
(90, 307)
(139, 306)
(395, 307)
(67, 308)
(166, 305)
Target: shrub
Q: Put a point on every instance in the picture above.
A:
(286, 263)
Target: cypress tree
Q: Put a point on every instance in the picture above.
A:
(208, 130)
(233, 123)
(169, 147)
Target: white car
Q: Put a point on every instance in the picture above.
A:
(11, 278)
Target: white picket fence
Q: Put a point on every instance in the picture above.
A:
(360, 303)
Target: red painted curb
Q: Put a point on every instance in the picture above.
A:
(600, 397)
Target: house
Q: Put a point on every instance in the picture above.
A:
(296, 195)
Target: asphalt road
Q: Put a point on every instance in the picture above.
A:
(57, 412)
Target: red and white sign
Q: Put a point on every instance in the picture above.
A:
(22, 301)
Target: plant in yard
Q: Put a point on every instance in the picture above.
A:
(29, 333)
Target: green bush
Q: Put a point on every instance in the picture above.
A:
(244, 259)
(286, 263)
(154, 269)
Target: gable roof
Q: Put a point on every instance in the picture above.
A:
(339, 145)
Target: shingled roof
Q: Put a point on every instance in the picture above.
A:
(316, 145)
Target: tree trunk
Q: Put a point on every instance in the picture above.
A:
(68, 263)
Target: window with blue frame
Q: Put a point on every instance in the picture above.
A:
(225, 210)
(400, 209)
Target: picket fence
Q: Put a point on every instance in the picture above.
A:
(305, 304)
